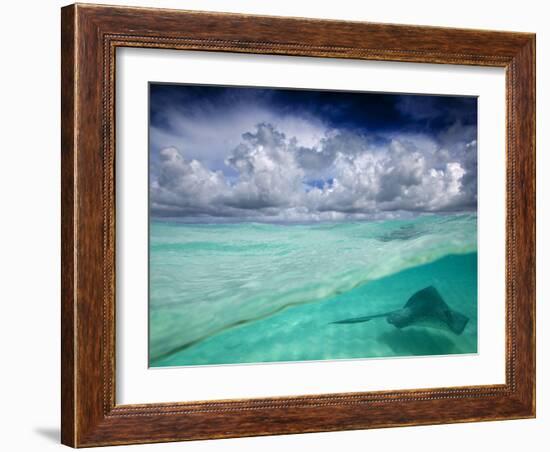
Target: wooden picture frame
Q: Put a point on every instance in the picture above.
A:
(90, 36)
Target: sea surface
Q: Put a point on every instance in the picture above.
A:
(252, 293)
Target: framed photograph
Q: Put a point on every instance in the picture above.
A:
(282, 225)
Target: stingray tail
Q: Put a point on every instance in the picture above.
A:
(361, 319)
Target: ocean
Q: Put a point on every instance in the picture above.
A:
(252, 292)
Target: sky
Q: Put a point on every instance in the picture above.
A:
(263, 154)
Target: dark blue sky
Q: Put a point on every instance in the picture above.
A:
(362, 111)
(270, 152)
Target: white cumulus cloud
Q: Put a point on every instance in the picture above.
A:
(334, 174)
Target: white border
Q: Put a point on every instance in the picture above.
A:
(135, 383)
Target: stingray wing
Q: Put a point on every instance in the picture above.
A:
(456, 321)
(428, 304)
(427, 297)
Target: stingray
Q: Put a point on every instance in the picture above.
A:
(405, 232)
(425, 308)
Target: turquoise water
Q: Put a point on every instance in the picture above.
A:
(248, 293)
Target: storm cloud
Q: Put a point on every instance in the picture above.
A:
(274, 163)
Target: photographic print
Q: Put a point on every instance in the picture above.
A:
(297, 225)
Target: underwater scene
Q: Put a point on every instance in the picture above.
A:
(248, 293)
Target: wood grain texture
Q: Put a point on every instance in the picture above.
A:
(68, 244)
(90, 36)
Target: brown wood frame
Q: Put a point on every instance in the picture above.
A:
(90, 35)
